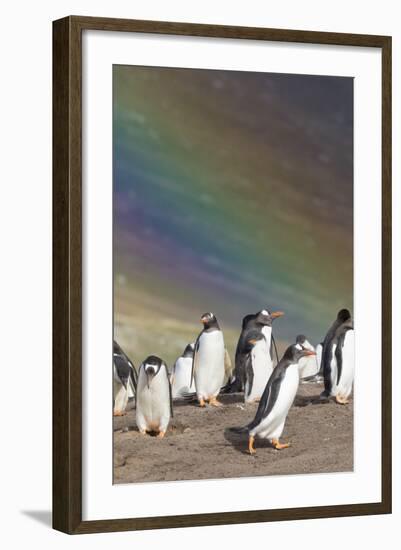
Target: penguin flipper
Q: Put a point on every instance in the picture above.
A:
(134, 377)
(273, 345)
(268, 398)
(195, 359)
(123, 369)
(249, 375)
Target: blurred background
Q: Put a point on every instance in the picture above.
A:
(233, 192)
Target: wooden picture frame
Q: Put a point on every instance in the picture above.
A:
(67, 273)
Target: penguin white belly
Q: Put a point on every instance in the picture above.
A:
(120, 397)
(319, 355)
(333, 371)
(308, 366)
(344, 386)
(182, 377)
(262, 365)
(209, 371)
(120, 394)
(267, 333)
(153, 403)
(272, 426)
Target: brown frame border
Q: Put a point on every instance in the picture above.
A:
(67, 274)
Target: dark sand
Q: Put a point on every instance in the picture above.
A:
(197, 444)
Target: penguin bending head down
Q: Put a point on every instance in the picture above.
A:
(277, 399)
(258, 367)
(262, 322)
(154, 400)
(338, 362)
(308, 366)
(208, 361)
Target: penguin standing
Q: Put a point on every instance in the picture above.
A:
(181, 375)
(345, 356)
(258, 367)
(124, 378)
(276, 400)
(262, 322)
(308, 366)
(154, 406)
(338, 358)
(208, 361)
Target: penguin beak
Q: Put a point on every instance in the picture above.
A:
(203, 320)
(253, 342)
(308, 352)
(276, 314)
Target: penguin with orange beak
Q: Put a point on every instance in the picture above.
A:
(276, 400)
(260, 322)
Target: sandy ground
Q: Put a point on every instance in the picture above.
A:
(198, 445)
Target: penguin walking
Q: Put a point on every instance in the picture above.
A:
(181, 374)
(154, 406)
(276, 401)
(308, 366)
(124, 380)
(208, 361)
(258, 367)
(262, 322)
(338, 363)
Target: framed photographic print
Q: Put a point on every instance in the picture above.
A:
(222, 274)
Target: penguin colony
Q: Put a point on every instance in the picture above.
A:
(204, 366)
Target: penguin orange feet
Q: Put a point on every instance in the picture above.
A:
(277, 445)
(341, 400)
(251, 448)
(213, 401)
(119, 413)
(202, 402)
(161, 434)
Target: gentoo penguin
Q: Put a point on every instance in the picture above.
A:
(262, 322)
(345, 356)
(153, 398)
(208, 361)
(308, 366)
(124, 378)
(181, 374)
(338, 358)
(276, 400)
(258, 367)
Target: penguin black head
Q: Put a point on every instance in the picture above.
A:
(253, 338)
(264, 317)
(303, 341)
(209, 320)
(295, 352)
(343, 315)
(152, 366)
(188, 351)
